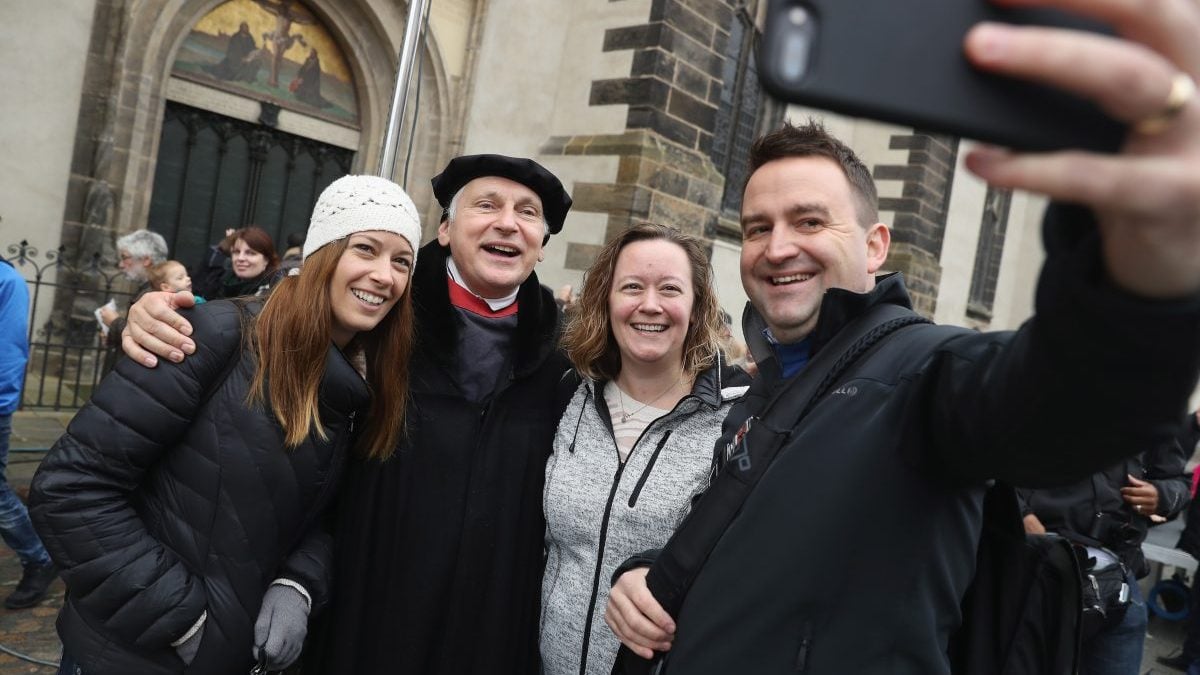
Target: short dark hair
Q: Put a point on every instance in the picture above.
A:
(811, 140)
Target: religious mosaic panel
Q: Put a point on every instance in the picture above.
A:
(272, 50)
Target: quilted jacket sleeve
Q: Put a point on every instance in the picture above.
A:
(311, 563)
(82, 496)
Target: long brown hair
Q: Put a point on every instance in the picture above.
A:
(292, 341)
(588, 338)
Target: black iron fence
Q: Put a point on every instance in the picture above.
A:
(66, 353)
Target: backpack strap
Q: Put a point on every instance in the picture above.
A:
(755, 447)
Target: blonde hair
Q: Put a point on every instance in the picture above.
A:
(588, 338)
(157, 276)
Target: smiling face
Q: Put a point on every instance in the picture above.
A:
(247, 263)
(650, 303)
(495, 235)
(370, 278)
(801, 237)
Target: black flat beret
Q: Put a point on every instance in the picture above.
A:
(462, 170)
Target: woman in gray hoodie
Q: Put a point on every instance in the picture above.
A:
(636, 441)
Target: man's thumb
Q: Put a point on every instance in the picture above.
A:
(184, 299)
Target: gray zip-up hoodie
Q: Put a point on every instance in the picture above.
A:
(600, 512)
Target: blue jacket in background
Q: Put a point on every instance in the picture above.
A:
(14, 336)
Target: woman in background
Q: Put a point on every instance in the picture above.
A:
(243, 263)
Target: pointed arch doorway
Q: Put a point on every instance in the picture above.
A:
(216, 172)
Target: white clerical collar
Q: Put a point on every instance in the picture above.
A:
(496, 304)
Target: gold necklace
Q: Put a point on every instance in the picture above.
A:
(621, 400)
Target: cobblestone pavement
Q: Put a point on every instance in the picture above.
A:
(28, 631)
(1163, 638)
(31, 631)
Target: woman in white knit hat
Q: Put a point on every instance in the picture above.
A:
(185, 503)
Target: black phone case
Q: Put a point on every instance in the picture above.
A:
(902, 61)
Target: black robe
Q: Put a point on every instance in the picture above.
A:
(308, 83)
(235, 66)
(439, 549)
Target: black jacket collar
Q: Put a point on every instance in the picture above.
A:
(838, 307)
(537, 314)
(707, 387)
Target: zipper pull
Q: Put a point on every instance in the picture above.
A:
(353, 414)
(805, 646)
(802, 656)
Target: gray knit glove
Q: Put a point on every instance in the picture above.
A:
(281, 626)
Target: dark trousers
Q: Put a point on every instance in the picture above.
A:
(1191, 641)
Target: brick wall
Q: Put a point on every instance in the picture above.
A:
(673, 90)
(919, 224)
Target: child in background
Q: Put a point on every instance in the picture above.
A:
(171, 276)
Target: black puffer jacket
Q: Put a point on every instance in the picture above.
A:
(168, 497)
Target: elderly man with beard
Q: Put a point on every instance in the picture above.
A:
(138, 252)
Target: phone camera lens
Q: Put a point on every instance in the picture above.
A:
(798, 16)
(792, 41)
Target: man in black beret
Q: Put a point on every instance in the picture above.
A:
(526, 172)
(439, 551)
(437, 559)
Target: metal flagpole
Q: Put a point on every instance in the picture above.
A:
(414, 36)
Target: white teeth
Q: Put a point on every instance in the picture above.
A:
(791, 278)
(503, 249)
(366, 297)
(649, 327)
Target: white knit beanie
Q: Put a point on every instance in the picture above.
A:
(362, 204)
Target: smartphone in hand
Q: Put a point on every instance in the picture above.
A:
(902, 61)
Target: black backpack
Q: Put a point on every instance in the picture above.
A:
(1021, 613)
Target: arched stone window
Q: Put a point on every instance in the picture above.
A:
(988, 252)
